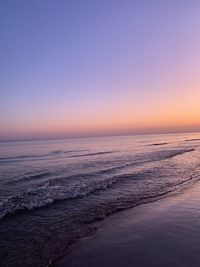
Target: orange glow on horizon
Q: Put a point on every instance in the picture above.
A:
(177, 112)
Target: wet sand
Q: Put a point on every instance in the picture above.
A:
(164, 233)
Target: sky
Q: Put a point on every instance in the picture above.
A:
(78, 68)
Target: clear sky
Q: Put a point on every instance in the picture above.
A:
(74, 67)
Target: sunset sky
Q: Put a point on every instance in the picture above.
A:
(74, 67)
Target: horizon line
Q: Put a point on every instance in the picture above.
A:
(96, 136)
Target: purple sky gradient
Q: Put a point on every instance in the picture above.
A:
(89, 67)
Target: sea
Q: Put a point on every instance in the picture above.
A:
(53, 191)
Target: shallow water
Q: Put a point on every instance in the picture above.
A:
(52, 190)
(161, 233)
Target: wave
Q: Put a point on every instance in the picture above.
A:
(54, 190)
(57, 152)
(17, 157)
(67, 151)
(192, 140)
(93, 154)
(48, 194)
(167, 154)
(26, 157)
(141, 159)
(38, 156)
(29, 177)
(163, 154)
(158, 144)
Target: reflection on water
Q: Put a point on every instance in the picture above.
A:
(163, 233)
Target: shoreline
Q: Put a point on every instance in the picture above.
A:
(161, 233)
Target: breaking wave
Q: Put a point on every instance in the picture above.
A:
(54, 190)
(158, 144)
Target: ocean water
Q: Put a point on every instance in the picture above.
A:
(52, 191)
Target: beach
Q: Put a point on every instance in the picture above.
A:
(164, 233)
